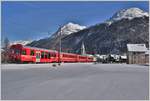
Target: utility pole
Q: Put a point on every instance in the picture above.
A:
(59, 62)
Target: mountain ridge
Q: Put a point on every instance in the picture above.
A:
(104, 38)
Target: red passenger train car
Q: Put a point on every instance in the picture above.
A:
(20, 53)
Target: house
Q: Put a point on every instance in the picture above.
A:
(136, 53)
(147, 56)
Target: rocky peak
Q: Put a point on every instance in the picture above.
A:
(129, 13)
(68, 29)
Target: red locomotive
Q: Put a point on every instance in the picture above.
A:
(20, 53)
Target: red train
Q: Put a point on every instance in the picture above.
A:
(20, 53)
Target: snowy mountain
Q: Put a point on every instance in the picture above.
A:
(23, 42)
(67, 29)
(51, 42)
(126, 26)
(130, 13)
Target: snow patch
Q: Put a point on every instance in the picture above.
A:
(136, 47)
(23, 42)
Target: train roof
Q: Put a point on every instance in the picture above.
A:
(40, 49)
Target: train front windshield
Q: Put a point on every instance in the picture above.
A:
(14, 51)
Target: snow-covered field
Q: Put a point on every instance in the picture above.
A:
(81, 81)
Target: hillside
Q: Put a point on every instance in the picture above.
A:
(125, 26)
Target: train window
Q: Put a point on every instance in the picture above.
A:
(53, 54)
(69, 56)
(17, 51)
(23, 52)
(81, 57)
(64, 55)
(42, 55)
(49, 55)
(32, 52)
(46, 55)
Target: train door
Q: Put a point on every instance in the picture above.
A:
(38, 56)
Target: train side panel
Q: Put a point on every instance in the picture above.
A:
(30, 54)
(69, 57)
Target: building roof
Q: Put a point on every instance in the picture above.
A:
(123, 57)
(136, 47)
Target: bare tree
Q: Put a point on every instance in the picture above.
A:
(4, 54)
(6, 43)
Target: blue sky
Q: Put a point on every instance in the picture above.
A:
(34, 20)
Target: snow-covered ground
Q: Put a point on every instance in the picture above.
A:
(81, 81)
